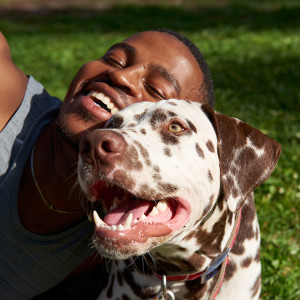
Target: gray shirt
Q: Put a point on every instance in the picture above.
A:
(30, 263)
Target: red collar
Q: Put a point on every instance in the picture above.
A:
(214, 266)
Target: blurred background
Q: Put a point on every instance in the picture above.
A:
(253, 50)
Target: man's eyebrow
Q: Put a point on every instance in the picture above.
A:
(124, 46)
(162, 71)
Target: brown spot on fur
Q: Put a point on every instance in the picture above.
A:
(137, 117)
(156, 177)
(147, 192)
(109, 292)
(210, 146)
(172, 114)
(120, 278)
(172, 265)
(142, 293)
(172, 103)
(199, 151)
(167, 152)
(210, 242)
(210, 178)
(257, 256)
(245, 230)
(192, 126)
(156, 168)
(230, 270)
(158, 117)
(168, 138)
(196, 260)
(144, 153)
(167, 187)
(143, 131)
(131, 160)
(196, 290)
(131, 125)
(123, 179)
(256, 286)
(246, 262)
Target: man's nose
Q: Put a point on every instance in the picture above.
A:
(129, 79)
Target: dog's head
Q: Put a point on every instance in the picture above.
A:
(157, 169)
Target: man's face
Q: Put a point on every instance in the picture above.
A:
(148, 66)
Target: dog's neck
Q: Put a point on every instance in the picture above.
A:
(204, 243)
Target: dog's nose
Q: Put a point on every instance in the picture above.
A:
(101, 146)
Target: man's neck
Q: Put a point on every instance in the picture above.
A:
(54, 168)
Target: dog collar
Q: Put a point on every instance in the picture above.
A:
(215, 265)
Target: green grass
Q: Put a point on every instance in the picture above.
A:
(252, 48)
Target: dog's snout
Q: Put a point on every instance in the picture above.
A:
(101, 146)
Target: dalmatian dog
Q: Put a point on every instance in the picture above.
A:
(170, 189)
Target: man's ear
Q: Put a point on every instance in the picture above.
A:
(247, 157)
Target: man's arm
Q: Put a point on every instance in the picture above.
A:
(13, 84)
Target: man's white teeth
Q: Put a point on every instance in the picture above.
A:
(105, 100)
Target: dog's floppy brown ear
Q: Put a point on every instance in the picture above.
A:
(247, 157)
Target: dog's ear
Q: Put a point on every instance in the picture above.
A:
(247, 157)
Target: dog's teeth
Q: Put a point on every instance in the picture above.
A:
(120, 227)
(162, 206)
(115, 203)
(90, 216)
(143, 217)
(97, 219)
(113, 227)
(154, 212)
(128, 221)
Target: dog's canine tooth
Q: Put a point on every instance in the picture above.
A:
(154, 212)
(90, 216)
(97, 219)
(143, 217)
(116, 202)
(162, 206)
(128, 221)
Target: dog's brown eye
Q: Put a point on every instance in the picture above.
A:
(175, 127)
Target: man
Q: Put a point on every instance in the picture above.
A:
(44, 233)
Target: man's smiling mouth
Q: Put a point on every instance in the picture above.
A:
(103, 101)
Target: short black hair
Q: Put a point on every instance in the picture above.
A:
(208, 88)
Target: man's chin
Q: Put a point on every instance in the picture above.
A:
(67, 136)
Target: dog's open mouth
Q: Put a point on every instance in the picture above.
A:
(126, 217)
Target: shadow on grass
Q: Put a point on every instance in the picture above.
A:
(130, 18)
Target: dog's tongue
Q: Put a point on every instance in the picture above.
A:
(119, 215)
